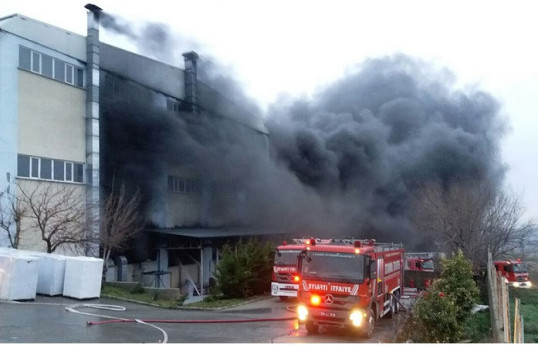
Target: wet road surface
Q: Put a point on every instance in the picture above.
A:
(46, 320)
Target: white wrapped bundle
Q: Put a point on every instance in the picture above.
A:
(51, 274)
(18, 276)
(82, 278)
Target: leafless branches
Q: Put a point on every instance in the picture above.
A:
(57, 211)
(11, 213)
(121, 220)
(471, 217)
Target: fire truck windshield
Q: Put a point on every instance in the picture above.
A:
(518, 268)
(342, 267)
(286, 258)
(427, 265)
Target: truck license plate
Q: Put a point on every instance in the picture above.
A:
(327, 314)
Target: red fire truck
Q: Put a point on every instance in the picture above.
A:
(514, 272)
(285, 280)
(349, 283)
(420, 269)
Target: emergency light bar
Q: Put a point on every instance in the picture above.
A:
(346, 241)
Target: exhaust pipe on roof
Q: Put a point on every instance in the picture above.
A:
(191, 81)
(93, 196)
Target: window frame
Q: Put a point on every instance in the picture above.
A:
(62, 71)
(32, 54)
(74, 169)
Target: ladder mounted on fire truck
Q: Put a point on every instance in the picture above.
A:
(378, 246)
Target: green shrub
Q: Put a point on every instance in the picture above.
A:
(244, 270)
(441, 314)
(433, 320)
(457, 283)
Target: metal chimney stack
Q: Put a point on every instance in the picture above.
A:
(93, 198)
(191, 81)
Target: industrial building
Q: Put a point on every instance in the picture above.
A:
(77, 111)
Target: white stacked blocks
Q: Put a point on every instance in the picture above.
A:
(24, 274)
(83, 277)
(18, 276)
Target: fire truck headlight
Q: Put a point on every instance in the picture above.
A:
(315, 300)
(356, 318)
(302, 312)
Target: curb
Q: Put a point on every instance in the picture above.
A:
(185, 307)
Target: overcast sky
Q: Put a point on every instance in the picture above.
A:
(293, 47)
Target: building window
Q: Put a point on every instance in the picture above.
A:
(36, 62)
(46, 67)
(46, 169)
(178, 184)
(68, 171)
(23, 166)
(59, 170)
(79, 77)
(25, 58)
(49, 169)
(50, 67)
(173, 105)
(34, 167)
(69, 74)
(79, 172)
(59, 70)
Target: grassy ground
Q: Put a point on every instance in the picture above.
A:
(477, 328)
(139, 295)
(529, 311)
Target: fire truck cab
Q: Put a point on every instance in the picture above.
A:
(284, 282)
(514, 272)
(349, 283)
(420, 269)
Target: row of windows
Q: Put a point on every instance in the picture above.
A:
(174, 105)
(50, 67)
(177, 184)
(392, 267)
(49, 169)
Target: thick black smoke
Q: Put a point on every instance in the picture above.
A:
(370, 139)
(343, 164)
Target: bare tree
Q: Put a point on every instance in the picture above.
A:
(471, 217)
(57, 211)
(121, 221)
(11, 213)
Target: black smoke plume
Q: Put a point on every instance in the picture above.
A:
(343, 164)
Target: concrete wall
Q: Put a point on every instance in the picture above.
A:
(8, 114)
(51, 118)
(183, 208)
(30, 234)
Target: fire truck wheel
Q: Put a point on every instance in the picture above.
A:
(368, 329)
(311, 327)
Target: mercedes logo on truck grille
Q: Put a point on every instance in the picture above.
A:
(328, 299)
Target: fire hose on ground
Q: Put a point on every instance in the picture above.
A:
(92, 323)
(119, 320)
(150, 322)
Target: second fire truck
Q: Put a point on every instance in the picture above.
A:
(349, 283)
(514, 272)
(285, 280)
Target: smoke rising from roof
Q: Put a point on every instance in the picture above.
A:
(343, 164)
(373, 137)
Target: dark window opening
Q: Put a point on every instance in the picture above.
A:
(23, 166)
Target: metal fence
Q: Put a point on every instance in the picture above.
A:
(499, 303)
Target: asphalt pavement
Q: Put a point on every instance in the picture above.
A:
(65, 320)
